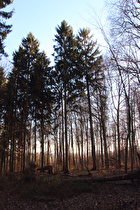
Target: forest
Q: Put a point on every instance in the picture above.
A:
(82, 111)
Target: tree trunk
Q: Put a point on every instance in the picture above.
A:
(3, 152)
(66, 137)
(63, 144)
(128, 130)
(72, 144)
(91, 127)
(24, 145)
(102, 159)
(81, 141)
(35, 136)
(118, 132)
(42, 137)
(48, 153)
(13, 152)
(77, 140)
(87, 143)
(103, 126)
(105, 145)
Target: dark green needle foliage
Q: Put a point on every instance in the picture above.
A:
(90, 65)
(66, 71)
(4, 28)
(42, 96)
(33, 95)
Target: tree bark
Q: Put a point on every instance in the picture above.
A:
(118, 131)
(42, 137)
(103, 126)
(66, 137)
(91, 127)
(102, 159)
(81, 141)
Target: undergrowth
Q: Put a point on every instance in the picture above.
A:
(45, 188)
(50, 187)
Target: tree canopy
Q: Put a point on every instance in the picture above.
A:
(4, 28)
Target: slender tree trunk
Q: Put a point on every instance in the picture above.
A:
(66, 137)
(133, 143)
(87, 143)
(118, 132)
(126, 153)
(102, 159)
(103, 126)
(69, 147)
(56, 140)
(48, 153)
(6, 162)
(18, 155)
(3, 152)
(42, 138)
(60, 144)
(115, 143)
(128, 139)
(21, 146)
(105, 147)
(35, 136)
(72, 146)
(42, 148)
(91, 127)
(55, 151)
(81, 141)
(12, 149)
(13, 152)
(24, 145)
(63, 144)
(78, 142)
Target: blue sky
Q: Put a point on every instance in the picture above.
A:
(41, 17)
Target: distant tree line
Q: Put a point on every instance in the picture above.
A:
(84, 109)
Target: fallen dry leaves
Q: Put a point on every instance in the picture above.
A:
(109, 195)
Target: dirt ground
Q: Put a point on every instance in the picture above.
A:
(108, 195)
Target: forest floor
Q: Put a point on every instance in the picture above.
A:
(67, 192)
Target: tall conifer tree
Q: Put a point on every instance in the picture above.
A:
(66, 72)
(24, 60)
(42, 97)
(34, 94)
(90, 66)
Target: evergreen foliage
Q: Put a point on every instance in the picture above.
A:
(91, 69)
(64, 70)
(4, 28)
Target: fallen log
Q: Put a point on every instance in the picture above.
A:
(129, 176)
